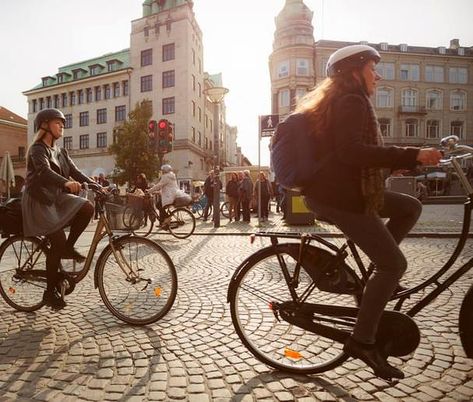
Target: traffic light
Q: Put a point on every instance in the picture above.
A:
(152, 129)
(164, 136)
(170, 136)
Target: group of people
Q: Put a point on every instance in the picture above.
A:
(348, 190)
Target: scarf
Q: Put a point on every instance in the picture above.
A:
(372, 183)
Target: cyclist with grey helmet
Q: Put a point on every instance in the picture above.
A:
(50, 201)
(348, 190)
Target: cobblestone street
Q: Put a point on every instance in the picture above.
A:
(193, 354)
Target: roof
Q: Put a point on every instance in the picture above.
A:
(9, 116)
(122, 58)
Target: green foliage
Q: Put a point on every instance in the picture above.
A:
(131, 148)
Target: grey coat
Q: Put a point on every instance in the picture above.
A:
(48, 169)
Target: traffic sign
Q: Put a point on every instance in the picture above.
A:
(268, 124)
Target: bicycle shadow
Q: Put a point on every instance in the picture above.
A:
(304, 387)
(38, 362)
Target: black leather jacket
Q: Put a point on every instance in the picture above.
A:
(43, 171)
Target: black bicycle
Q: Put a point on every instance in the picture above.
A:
(294, 304)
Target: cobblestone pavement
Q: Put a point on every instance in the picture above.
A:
(193, 354)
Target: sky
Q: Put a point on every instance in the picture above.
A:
(39, 36)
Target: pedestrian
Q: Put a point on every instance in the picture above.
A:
(167, 189)
(348, 189)
(266, 194)
(240, 176)
(50, 201)
(141, 183)
(246, 195)
(231, 190)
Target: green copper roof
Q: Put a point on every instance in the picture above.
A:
(119, 61)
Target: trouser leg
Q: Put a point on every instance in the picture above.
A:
(79, 223)
(53, 257)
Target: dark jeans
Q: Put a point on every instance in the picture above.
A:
(245, 205)
(380, 242)
(209, 204)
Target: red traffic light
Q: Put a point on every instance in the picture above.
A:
(163, 124)
(152, 127)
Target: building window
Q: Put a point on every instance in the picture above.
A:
(457, 100)
(193, 82)
(458, 75)
(147, 83)
(21, 153)
(146, 57)
(168, 79)
(48, 101)
(200, 90)
(80, 96)
(101, 116)
(433, 99)
(88, 95)
(34, 105)
(56, 101)
(116, 89)
(385, 127)
(112, 66)
(385, 70)
(120, 113)
(101, 140)
(409, 72)
(106, 89)
(94, 70)
(83, 119)
(146, 31)
(125, 88)
(200, 114)
(168, 52)
(84, 141)
(193, 108)
(409, 99)
(282, 69)
(147, 106)
(302, 67)
(284, 98)
(98, 94)
(41, 103)
(200, 139)
(64, 100)
(384, 97)
(456, 128)
(68, 123)
(434, 73)
(433, 129)
(193, 134)
(68, 142)
(411, 128)
(169, 105)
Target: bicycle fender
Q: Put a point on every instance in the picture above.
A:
(102, 256)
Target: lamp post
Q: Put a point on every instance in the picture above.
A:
(215, 96)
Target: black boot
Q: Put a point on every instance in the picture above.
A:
(53, 299)
(372, 357)
(70, 253)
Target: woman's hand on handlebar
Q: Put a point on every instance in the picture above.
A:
(429, 156)
(72, 187)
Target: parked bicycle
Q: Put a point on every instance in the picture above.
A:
(198, 206)
(294, 304)
(136, 278)
(142, 216)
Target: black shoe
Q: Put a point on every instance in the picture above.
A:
(53, 299)
(373, 358)
(72, 254)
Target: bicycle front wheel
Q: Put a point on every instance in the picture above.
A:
(141, 288)
(465, 323)
(142, 226)
(182, 223)
(225, 209)
(254, 295)
(23, 273)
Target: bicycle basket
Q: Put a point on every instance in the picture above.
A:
(122, 218)
(135, 201)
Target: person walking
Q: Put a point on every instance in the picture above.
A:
(348, 189)
(246, 194)
(208, 191)
(231, 190)
(266, 194)
(50, 200)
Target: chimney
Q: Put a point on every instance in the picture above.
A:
(454, 43)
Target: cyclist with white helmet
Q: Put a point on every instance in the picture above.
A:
(50, 200)
(167, 188)
(348, 190)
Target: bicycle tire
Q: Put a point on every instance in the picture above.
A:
(273, 341)
(198, 210)
(182, 223)
(134, 301)
(23, 282)
(145, 226)
(225, 209)
(129, 216)
(465, 323)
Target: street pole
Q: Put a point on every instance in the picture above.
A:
(216, 181)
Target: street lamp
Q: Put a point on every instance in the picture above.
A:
(215, 96)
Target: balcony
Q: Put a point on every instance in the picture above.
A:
(412, 110)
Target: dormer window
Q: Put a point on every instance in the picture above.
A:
(441, 50)
(461, 51)
(95, 69)
(78, 73)
(112, 65)
(403, 47)
(384, 46)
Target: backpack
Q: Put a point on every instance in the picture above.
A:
(293, 153)
(11, 220)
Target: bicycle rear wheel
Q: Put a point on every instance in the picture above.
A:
(182, 223)
(225, 209)
(257, 289)
(23, 273)
(142, 226)
(145, 292)
(465, 323)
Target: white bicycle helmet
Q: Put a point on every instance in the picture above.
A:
(166, 168)
(349, 58)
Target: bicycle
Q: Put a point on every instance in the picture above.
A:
(198, 207)
(136, 278)
(294, 304)
(141, 217)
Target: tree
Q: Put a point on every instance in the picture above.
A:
(131, 147)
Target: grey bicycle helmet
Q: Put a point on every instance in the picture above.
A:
(166, 168)
(46, 115)
(349, 58)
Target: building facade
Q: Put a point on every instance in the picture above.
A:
(164, 66)
(426, 93)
